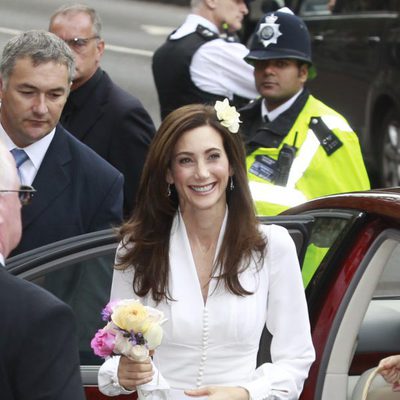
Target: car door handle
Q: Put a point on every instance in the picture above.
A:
(373, 39)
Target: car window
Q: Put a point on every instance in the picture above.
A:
(327, 228)
(85, 286)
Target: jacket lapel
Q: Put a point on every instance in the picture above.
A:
(52, 177)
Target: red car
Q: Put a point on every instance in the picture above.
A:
(353, 297)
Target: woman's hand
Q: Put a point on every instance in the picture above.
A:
(389, 368)
(220, 393)
(134, 373)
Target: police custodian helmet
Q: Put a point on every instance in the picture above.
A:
(281, 34)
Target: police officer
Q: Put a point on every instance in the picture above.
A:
(298, 148)
(201, 61)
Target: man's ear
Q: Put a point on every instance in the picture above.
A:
(303, 73)
(100, 46)
(211, 4)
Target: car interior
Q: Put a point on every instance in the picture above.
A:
(372, 300)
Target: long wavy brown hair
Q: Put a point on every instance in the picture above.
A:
(146, 235)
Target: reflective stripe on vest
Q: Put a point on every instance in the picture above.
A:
(303, 159)
(333, 122)
(310, 147)
(276, 194)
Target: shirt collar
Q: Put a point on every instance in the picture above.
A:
(2, 261)
(190, 25)
(284, 121)
(279, 127)
(279, 110)
(36, 151)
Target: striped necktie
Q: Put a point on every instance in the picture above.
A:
(20, 157)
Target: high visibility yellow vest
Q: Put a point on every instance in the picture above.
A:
(313, 172)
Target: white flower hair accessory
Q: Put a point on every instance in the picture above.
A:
(227, 115)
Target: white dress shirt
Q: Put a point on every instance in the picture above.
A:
(217, 343)
(36, 152)
(218, 66)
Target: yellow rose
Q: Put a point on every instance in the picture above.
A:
(227, 115)
(130, 316)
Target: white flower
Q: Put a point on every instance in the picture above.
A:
(153, 336)
(227, 115)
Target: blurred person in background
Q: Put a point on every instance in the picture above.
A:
(98, 112)
(201, 61)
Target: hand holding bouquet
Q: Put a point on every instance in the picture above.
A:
(132, 330)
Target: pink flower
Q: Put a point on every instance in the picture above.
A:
(103, 343)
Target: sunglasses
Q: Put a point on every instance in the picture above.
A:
(25, 193)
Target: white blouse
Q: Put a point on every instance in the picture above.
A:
(217, 343)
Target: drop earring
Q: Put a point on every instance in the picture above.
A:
(231, 185)
(169, 190)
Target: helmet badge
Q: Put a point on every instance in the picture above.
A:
(268, 32)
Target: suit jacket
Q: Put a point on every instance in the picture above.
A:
(38, 349)
(77, 192)
(114, 124)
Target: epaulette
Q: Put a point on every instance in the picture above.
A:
(206, 33)
(329, 141)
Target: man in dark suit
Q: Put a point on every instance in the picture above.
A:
(38, 346)
(98, 112)
(77, 191)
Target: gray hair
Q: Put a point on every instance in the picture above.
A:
(41, 47)
(76, 9)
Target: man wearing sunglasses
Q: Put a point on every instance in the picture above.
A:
(38, 346)
(77, 191)
(98, 112)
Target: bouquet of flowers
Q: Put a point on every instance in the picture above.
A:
(132, 330)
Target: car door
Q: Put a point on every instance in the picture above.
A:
(367, 325)
(354, 295)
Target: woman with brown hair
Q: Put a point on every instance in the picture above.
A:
(194, 249)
